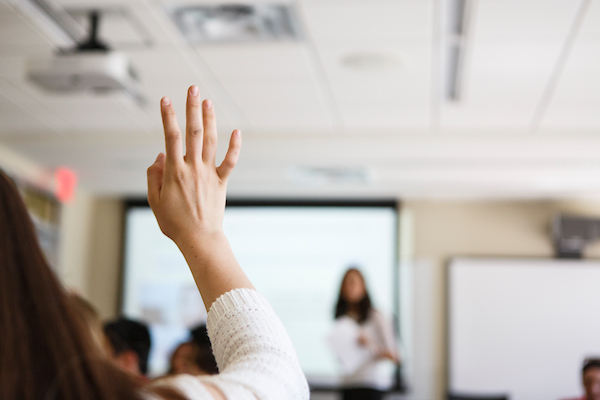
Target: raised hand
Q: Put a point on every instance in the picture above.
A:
(187, 196)
(187, 193)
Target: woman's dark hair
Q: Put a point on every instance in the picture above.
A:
(362, 307)
(205, 359)
(47, 351)
(590, 363)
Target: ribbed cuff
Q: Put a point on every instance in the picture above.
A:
(236, 298)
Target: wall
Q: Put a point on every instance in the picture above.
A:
(90, 257)
(444, 229)
(105, 256)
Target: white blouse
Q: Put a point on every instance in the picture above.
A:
(376, 373)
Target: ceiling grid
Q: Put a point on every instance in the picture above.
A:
(368, 69)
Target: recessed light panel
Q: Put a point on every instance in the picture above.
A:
(236, 23)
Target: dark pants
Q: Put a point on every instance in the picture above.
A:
(362, 394)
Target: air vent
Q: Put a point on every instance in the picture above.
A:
(236, 23)
(325, 176)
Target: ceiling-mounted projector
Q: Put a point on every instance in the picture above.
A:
(80, 71)
(91, 66)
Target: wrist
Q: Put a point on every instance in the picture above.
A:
(196, 243)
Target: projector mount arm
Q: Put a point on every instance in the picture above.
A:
(93, 43)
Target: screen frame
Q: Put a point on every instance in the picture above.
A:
(317, 203)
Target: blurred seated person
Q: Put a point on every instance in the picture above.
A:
(194, 357)
(590, 374)
(129, 345)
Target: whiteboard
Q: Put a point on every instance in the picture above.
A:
(521, 327)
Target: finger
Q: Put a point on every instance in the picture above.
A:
(233, 153)
(209, 146)
(193, 126)
(172, 132)
(155, 174)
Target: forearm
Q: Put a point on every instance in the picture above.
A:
(254, 353)
(213, 265)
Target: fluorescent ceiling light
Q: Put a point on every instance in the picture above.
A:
(235, 23)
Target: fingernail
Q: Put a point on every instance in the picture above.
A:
(237, 133)
(208, 104)
(194, 90)
(166, 101)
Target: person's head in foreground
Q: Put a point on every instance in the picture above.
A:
(129, 343)
(353, 300)
(591, 379)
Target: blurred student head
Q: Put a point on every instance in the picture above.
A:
(46, 350)
(129, 343)
(205, 359)
(353, 298)
(591, 379)
(194, 357)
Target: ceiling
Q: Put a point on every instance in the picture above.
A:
(526, 124)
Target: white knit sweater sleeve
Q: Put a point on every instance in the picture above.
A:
(255, 355)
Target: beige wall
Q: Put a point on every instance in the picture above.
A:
(90, 253)
(105, 256)
(444, 229)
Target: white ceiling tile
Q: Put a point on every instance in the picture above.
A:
(257, 60)
(496, 101)
(270, 84)
(584, 57)
(575, 103)
(503, 86)
(506, 59)
(152, 64)
(409, 56)
(382, 108)
(16, 120)
(173, 3)
(523, 21)
(368, 20)
(10, 92)
(590, 31)
(293, 106)
(92, 114)
(16, 34)
(390, 97)
(96, 3)
(12, 66)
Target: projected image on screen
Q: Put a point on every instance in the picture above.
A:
(295, 256)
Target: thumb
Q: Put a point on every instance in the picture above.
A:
(155, 175)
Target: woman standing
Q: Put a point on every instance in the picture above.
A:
(372, 379)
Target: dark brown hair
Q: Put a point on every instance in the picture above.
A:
(46, 348)
(363, 307)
